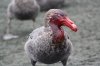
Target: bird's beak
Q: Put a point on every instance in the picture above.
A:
(67, 22)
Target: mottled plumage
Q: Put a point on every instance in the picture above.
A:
(39, 47)
(42, 45)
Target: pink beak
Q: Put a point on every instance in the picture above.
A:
(67, 22)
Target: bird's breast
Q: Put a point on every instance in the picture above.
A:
(49, 53)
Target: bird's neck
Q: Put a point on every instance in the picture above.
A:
(58, 34)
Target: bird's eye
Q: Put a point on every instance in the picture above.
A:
(55, 17)
(62, 15)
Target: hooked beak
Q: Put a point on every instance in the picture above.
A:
(67, 22)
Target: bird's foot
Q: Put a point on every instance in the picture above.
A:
(9, 36)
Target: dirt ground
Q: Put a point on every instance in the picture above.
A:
(86, 42)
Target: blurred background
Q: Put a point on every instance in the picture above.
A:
(86, 42)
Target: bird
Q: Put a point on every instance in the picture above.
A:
(50, 4)
(21, 10)
(50, 44)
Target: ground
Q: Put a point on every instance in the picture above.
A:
(86, 42)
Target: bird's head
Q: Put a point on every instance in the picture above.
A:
(59, 18)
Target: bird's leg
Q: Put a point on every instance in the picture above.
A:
(64, 62)
(33, 20)
(33, 62)
(8, 34)
(33, 23)
(8, 26)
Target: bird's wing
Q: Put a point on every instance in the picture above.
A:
(68, 43)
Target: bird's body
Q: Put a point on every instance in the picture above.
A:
(50, 43)
(40, 47)
(50, 4)
(21, 10)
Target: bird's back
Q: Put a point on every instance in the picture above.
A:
(50, 4)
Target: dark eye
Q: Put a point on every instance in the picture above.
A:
(62, 14)
(55, 16)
